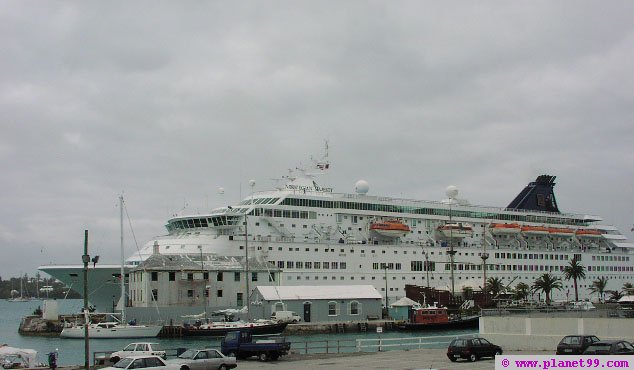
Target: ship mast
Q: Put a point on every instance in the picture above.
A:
(123, 299)
(452, 191)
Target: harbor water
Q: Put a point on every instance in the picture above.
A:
(71, 351)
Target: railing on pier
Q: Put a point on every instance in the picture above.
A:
(553, 311)
(387, 344)
(333, 346)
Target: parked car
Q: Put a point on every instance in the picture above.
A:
(142, 362)
(285, 316)
(610, 347)
(575, 344)
(203, 359)
(472, 349)
(582, 306)
(138, 349)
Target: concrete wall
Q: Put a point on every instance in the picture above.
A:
(544, 333)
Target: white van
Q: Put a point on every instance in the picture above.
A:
(285, 316)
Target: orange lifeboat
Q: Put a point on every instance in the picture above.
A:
(456, 230)
(588, 233)
(535, 230)
(504, 229)
(390, 228)
(566, 233)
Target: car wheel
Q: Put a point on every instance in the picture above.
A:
(294, 321)
(473, 357)
(498, 352)
(114, 360)
(263, 356)
(223, 367)
(453, 359)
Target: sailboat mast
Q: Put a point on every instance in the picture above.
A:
(123, 299)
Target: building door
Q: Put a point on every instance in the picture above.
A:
(306, 311)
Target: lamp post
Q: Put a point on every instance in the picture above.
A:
(386, 299)
(86, 259)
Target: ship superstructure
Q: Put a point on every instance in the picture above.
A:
(313, 235)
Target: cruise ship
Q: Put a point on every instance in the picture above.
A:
(314, 235)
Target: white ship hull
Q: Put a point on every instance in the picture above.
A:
(301, 226)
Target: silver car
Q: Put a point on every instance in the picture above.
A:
(203, 359)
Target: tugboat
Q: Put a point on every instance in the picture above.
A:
(437, 318)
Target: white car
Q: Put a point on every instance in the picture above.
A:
(203, 359)
(138, 349)
(142, 362)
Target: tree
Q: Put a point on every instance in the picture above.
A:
(467, 292)
(598, 286)
(575, 271)
(615, 295)
(547, 283)
(495, 286)
(521, 291)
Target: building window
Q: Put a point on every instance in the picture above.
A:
(272, 277)
(154, 276)
(239, 299)
(332, 308)
(219, 293)
(219, 276)
(354, 308)
(172, 276)
(236, 277)
(155, 295)
(254, 276)
(190, 276)
(190, 293)
(205, 276)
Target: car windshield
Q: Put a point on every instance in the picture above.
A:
(123, 363)
(189, 354)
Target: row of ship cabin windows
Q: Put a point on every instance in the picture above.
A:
(299, 202)
(237, 276)
(534, 256)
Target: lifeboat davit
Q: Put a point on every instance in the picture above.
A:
(562, 232)
(535, 230)
(456, 230)
(588, 233)
(390, 228)
(504, 229)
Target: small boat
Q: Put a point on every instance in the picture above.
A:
(437, 318)
(219, 329)
(18, 358)
(504, 229)
(111, 330)
(535, 230)
(587, 233)
(390, 228)
(20, 298)
(456, 230)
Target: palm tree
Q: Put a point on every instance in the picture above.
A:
(546, 283)
(575, 271)
(628, 289)
(521, 291)
(495, 286)
(615, 295)
(467, 292)
(598, 286)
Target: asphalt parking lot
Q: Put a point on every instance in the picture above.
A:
(412, 359)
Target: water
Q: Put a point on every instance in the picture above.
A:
(71, 351)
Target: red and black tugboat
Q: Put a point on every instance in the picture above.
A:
(437, 318)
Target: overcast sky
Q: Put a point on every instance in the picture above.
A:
(168, 101)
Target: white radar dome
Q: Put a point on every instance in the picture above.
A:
(452, 192)
(361, 187)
